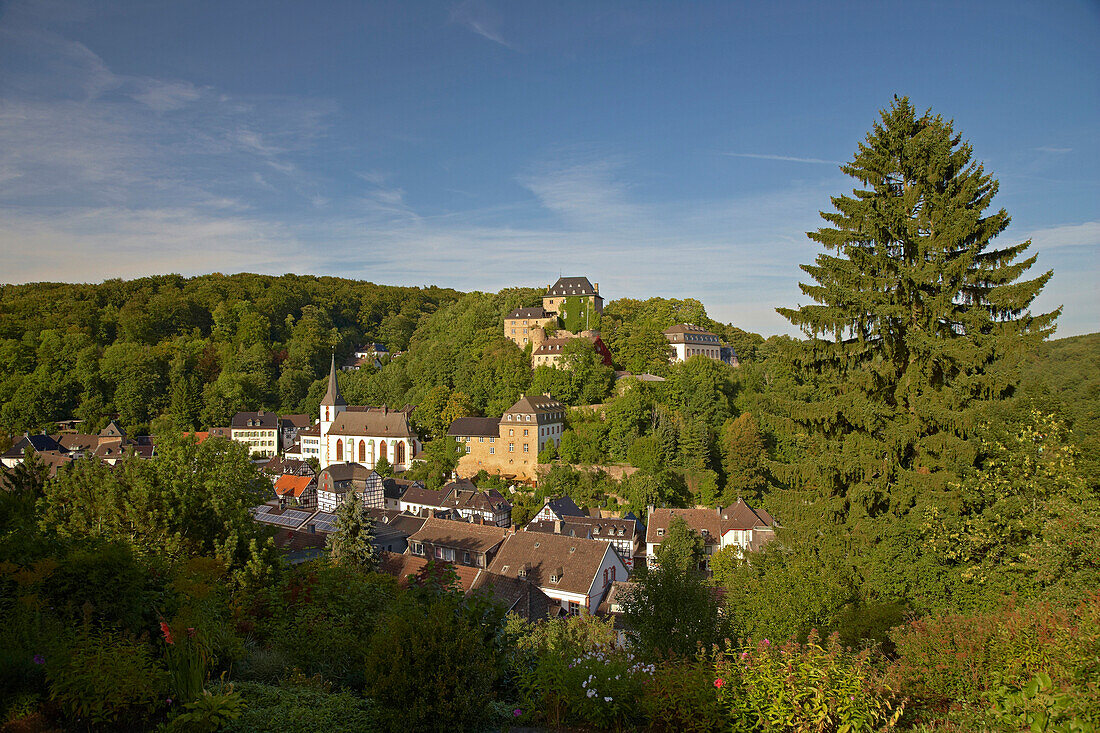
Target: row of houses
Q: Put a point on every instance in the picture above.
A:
(109, 445)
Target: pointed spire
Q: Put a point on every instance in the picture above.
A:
(333, 397)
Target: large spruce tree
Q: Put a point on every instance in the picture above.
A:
(918, 321)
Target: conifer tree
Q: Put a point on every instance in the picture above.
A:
(351, 544)
(918, 321)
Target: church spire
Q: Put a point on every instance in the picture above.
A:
(332, 397)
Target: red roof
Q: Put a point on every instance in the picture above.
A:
(293, 485)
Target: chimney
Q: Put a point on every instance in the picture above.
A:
(557, 526)
(596, 287)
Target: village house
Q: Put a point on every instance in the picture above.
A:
(339, 480)
(293, 490)
(521, 433)
(557, 508)
(738, 525)
(290, 426)
(485, 507)
(258, 430)
(622, 534)
(473, 545)
(574, 571)
(687, 340)
(365, 435)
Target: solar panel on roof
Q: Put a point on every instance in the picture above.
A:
(325, 522)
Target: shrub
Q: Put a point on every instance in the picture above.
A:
(109, 678)
(805, 687)
(953, 657)
(681, 696)
(599, 688)
(301, 706)
(431, 667)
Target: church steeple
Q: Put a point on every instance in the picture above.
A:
(332, 397)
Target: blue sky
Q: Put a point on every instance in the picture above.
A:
(672, 149)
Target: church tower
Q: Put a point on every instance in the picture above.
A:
(332, 404)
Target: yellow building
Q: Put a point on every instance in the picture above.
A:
(518, 324)
(510, 445)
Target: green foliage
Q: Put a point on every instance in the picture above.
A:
(437, 462)
(681, 696)
(301, 706)
(597, 689)
(549, 452)
(107, 679)
(1037, 707)
(682, 547)
(350, 545)
(577, 314)
(670, 612)
(191, 500)
(744, 458)
(210, 712)
(432, 666)
(804, 688)
(951, 656)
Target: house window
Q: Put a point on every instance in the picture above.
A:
(574, 608)
(481, 440)
(660, 533)
(526, 448)
(466, 558)
(418, 549)
(525, 432)
(492, 450)
(439, 553)
(511, 431)
(511, 447)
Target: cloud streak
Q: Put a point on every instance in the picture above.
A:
(477, 16)
(785, 158)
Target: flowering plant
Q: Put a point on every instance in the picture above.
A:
(187, 660)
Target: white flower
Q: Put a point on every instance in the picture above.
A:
(607, 699)
(585, 683)
(591, 693)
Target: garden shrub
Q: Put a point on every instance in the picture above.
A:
(682, 696)
(600, 688)
(805, 687)
(432, 667)
(952, 657)
(108, 679)
(301, 706)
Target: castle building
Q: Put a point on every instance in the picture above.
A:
(519, 323)
(364, 435)
(569, 287)
(510, 445)
(688, 340)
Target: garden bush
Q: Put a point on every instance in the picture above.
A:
(301, 706)
(805, 687)
(108, 679)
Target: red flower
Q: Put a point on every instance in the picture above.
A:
(190, 632)
(167, 632)
(719, 682)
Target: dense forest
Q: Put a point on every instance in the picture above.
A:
(932, 456)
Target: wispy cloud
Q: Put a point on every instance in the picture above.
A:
(479, 17)
(787, 158)
(1086, 234)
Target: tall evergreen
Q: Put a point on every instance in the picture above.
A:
(918, 321)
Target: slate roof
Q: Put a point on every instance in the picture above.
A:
(566, 286)
(544, 554)
(591, 527)
(380, 422)
(425, 497)
(77, 441)
(535, 404)
(38, 442)
(689, 333)
(459, 535)
(294, 421)
(564, 506)
(395, 488)
(332, 396)
(263, 420)
(536, 312)
(338, 472)
(486, 427)
(472, 499)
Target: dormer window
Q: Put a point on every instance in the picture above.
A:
(660, 533)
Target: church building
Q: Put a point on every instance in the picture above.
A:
(364, 435)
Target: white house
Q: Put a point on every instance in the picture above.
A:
(738, 525)
(573, 571)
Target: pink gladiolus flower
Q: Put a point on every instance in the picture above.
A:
(167, 632)
(719, 682)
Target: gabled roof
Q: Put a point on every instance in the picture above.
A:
(543, 555)
(486, 427)
(472, 499)
(459, 535)
(77, 441)
(716, 522)
(536, 312)
(402, 566)
(591, 527)
(564, 506)
(380, 422)
(113, 430)
(262, 419)
(290, 485)
(566, 286)
(347, 472)
(38, 442)
(424, 497)
(294, 421)
(313, 431)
